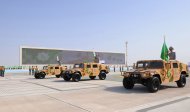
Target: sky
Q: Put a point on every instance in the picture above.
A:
(99, 25)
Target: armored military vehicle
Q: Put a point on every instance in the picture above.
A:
(86, 69)
(56, 70)
(153, 73)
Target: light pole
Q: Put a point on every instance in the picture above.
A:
(126, 54)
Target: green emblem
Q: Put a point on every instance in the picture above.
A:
(169, 73)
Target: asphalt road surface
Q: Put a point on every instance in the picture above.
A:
(23, 93)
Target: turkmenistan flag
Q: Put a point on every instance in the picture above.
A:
(164, 52)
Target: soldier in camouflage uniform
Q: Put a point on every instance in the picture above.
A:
(96, 59)
(171, 53)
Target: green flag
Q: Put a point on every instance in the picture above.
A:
(164, 52)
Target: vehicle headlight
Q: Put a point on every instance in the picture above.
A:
(152, 73)
(146, 74)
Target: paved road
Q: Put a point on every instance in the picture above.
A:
(23, 93)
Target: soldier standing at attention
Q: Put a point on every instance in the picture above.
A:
(36, 69)
(30, 70)
(171, 53)
(33, 70)
(3, 71)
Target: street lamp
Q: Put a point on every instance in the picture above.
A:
(126, 54)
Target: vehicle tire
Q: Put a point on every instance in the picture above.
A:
(36, 75)
(128, 83)
(42, 75)
(182, 81)
(66, 76)
(76, 77)
(92, 77)
(58, 76)
(102, 76)
(154, 84)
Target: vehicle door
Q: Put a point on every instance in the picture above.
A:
(175, 71)
(57, 71)
(95, 68)
(167, 72)
(88, 69)
(51, 70)
(45, 69)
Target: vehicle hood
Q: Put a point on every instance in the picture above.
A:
(73, 70)
(140, 71)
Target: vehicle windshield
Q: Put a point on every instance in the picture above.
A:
(150, 64)
(81, 65)
(45, 67)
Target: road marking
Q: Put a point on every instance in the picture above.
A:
(42, 85)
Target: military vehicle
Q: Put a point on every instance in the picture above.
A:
(56, 70)
(153, 73)
(86, 69)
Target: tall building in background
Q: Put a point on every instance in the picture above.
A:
(41, 56)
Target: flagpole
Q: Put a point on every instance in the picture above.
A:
(126, 54)
(164, 45)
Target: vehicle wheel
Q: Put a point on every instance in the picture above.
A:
(36, 75)
(182, 81)
(42, 75)
(76, 77)
(102, 76)
(154, 84)
(92, 77)
(58, 76)
(128, 83)
(67, 77)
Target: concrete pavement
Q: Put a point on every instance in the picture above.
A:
(23, 93)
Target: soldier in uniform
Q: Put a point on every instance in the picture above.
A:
(30, 70)
(36, 69)
(3, 71)
(33, 70)
(171, 53)
(96, 59)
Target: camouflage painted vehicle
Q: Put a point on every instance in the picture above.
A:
(153, 73)
(50, 70)
(86, 69)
